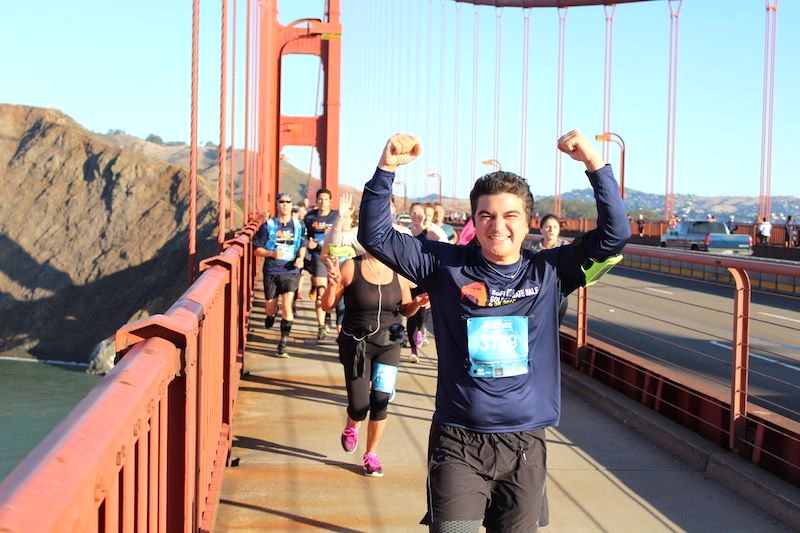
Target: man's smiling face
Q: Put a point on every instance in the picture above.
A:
(501, 223)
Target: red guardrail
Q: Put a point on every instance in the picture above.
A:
(145, 450)
(767, 439)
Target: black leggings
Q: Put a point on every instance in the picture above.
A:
(358, 377)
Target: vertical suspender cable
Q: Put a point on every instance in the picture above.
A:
(420, 54)
(456, 83)
(442, 42)
(609, 13)
(408, 111)
(498, 24)
(562, 30)
(767, 114)
(428, 85)
(223, 120)
(246, 169)
(672, 101)
(772, 10)
(193, 145)
(392, 39)
(475, 50)
(233, 122)
(317, 112)
(526, 39)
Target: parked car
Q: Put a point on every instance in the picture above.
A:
(707, 236)
(404, 219)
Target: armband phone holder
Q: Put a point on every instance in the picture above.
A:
(594, 270)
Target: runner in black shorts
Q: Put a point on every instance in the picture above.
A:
(495, 312)
(281, 242)
(317, 221)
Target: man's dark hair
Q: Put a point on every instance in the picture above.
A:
(499, 182)
(324, 191)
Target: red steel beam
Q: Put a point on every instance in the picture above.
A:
(547, 3)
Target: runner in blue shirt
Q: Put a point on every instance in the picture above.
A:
(281, 242)
(495, 312)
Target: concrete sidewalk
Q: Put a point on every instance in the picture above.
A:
(603, 475)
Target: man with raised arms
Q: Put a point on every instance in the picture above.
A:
(495, 311)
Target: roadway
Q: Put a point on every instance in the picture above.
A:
(687, 324)
(603, 474)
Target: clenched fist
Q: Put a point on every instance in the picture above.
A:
(400, 149)
(575, 145)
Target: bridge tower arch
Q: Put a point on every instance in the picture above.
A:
(308, 36)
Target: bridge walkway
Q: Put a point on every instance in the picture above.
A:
(292, 475)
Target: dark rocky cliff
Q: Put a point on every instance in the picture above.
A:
(91, 235)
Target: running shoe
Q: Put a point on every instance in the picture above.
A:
(413, 358)
(281, 352)
(349, 439)
(372, 466)
(419, 338)
(322, 334)
(269, 321)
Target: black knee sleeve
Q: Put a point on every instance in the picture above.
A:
(379, 405)
(357, 414)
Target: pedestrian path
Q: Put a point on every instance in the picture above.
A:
(292, 475)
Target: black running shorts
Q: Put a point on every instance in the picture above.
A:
(275, 285)
(315, 266)
(495, 477)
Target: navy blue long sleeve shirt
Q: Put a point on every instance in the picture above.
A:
(463, 285)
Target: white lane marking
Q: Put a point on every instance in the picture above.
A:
(779, 316)
(658, 290)
(757, 356)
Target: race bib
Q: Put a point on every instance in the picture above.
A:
(497, 346)
(384, 377)
(284, 252)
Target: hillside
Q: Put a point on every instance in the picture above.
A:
(575, 204)
(91, 234)
(292, 179)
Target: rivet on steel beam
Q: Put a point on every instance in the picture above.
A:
(100, 491)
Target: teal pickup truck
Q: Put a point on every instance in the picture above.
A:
(707, 236)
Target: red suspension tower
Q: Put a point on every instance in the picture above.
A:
(321, 38)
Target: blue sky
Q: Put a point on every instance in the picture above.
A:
(126, 65)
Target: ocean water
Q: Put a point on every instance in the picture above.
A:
(34, 398)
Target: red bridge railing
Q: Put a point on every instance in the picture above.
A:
(145, 450)
(720, 412)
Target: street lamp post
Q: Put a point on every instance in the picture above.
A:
(494, 162)
(405, 194)
(438, 177)
(613, 137)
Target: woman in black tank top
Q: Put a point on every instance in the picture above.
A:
(369, 344)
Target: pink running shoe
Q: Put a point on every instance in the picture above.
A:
(349, 439)
(372, 466)
(419, 338)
